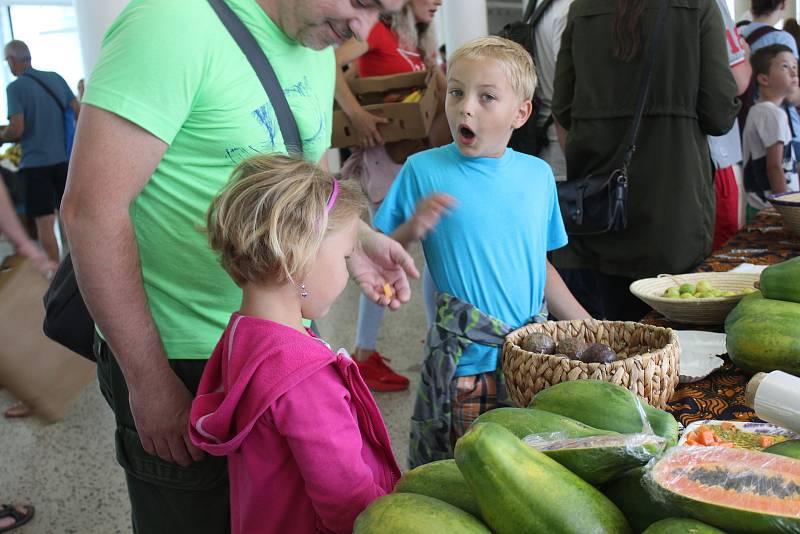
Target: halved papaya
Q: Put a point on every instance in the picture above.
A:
(737, 490)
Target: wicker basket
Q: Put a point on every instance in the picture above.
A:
(648, 364)
(706, 311)
(788, 205)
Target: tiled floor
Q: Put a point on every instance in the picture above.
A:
(68, 471)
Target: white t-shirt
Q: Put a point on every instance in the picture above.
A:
(548, 43)
(766, 125)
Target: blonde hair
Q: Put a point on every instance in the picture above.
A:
(515, 61)
(412, 35)
(270, 219)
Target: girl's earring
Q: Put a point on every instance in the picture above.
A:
(303, 291)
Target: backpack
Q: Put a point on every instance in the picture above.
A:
(531, 137)
(748, 98)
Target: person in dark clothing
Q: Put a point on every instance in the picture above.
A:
(671, 188)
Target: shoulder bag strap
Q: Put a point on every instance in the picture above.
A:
(49, 91)
(266, 75)
(758, 33)
(644, 85)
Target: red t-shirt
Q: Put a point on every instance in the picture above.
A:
(385, 56)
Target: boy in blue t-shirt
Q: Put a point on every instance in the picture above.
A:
(486, 216)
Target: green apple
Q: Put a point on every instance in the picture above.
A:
(729, 294)
(672, 293)
(686, 288)
(703, 287)
(687, 296)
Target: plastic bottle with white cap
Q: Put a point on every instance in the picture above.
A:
(775, 397)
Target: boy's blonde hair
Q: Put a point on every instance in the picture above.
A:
(515, 61)
(269, 220)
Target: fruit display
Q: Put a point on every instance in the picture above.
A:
(409, 513)
(764, 335)
(736, 490)
(701, 290)
(536, 470)
(441, 480)
(607, 406)
(782, 281)
(519, 489)
(674, 525)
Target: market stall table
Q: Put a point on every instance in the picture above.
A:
(721, 394)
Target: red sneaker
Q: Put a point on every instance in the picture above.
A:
(379, 376)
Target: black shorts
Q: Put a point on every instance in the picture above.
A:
(44, 187)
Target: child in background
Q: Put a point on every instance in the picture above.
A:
(486, 216)
(769, 159)
(307, 448)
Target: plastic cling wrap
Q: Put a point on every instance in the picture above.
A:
(598, 459)
(736, 490)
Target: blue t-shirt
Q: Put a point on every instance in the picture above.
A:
(490, 250)
(43, 140)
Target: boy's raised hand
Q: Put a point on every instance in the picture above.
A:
(429, 211)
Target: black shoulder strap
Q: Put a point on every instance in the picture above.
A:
(534, 12)
(266, 75)
(49, 91)
(758, 33)
(644, 85)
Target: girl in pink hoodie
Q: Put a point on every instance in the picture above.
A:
(307, 448)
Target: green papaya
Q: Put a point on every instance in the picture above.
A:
(605, 405)
(519, 489)
(441, 480)
(409, 513)
(631, 497)
(790, 448)
(675, 525)
(764, 335)
(525, 421)
(782, 281)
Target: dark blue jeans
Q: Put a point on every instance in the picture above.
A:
(165, 497)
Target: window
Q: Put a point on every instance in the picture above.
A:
(51, 32)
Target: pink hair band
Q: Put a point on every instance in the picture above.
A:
(334, 194)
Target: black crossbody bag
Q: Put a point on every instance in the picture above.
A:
(67, 320)
(598, 204)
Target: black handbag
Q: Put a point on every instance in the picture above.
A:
(67, 320)
(598, 204)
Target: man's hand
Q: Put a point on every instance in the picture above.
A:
(380, 260)
(428, 212)
(161, 413)
(38, 258)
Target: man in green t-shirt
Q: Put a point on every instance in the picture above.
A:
(171, 107)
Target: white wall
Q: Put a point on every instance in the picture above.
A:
(94, 18)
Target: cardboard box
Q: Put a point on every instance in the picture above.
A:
(408, 120)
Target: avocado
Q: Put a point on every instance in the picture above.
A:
(538, 342)
(598, 353)
(571, 347)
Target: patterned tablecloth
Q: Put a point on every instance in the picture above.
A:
(721, 394)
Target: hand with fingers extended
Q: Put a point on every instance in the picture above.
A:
(379, 261)
(366, 127)
(160, 411)
(429, 210)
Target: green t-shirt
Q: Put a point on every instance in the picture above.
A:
(171, 67)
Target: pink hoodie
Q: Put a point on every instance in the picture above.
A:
(307, 448)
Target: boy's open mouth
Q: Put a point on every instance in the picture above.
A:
(465, 134)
